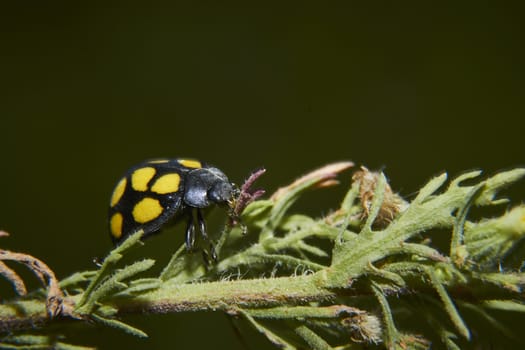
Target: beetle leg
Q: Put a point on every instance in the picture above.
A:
(190, 231)
(213, 253)
(206, 259)
(202, 225)
(204, 234)
(209, 257)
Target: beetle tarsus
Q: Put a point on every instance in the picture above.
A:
(190, 232)
(213, 252)
(202, 225)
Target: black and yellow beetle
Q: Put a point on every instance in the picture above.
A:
(155, 192)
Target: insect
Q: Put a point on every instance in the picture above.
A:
(156, 192)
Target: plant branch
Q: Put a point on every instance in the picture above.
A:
(322, 279)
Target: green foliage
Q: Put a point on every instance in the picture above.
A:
(19, 342)
(345, 280)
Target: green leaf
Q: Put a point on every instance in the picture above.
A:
(496, 183)
(450, 308)
(457, 232)
(114, 256)
(313, 340)
(111, 322)
(505, 305)
(430, 188)
(113, 284)
(283, 203)
(391, 333)
(489, 241)
(270, 335)
(350, 197)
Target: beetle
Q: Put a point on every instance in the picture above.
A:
(158, 191)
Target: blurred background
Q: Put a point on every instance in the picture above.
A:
(90, 91)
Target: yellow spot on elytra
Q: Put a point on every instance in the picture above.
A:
(118, 191)
(158, 161)
(189, 163)
(141, 177)
(146, 210)
(166, 184)
(115, 225)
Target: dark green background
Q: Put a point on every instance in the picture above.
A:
(89, 91)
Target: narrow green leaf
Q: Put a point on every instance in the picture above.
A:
(33, 342)
(175, 265)
(459, 224)
(420, 250)
(280, 207)
(463, 177)
(284, 197)
(491, 320)
(391, 333)
(429, 189)
(314, 341)
(114, 256)
(341, 236)
(489, 241)
(7, 346)
(27, 339)
(450, 308)
(296, 312)
(447, 338)
(386, 275)
(113, 283)
(505, 305)
(312, 249)
(77, 278)
(350, 197)
(510, 281)
(257, 208)
(111, 322)
(141, 285)
(106, 311)
(296, 221)
(271, 336)
(497, 182)
(65, 346)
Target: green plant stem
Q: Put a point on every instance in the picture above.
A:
(171, 297)
(381, 260)
(22, 315)
(227, 295)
